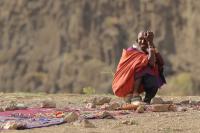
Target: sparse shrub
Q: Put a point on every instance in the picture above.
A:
(38, 75)
(88, 90)
(180, 84)
(110, 21)
(108, 71)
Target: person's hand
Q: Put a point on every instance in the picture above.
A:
(150, 36)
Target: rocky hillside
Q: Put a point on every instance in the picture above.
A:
(65, 45)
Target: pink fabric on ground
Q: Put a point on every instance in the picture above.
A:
(29, 111)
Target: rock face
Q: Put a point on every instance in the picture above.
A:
(63, 45)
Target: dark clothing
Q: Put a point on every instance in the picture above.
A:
(150, 87)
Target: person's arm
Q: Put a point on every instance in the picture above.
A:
(151, 56)
(159, 62)
(151, 48)
(159, 59)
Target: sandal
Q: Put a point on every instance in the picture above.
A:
(136, 98)
(128, 98)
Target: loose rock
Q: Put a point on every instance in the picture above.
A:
(168, 102)
(1, 109)
(160, 107)
(185, 102)
(87, 124)
(137, 103)
(112, 106)
(194, 102)
(101, 100)
(129, 122)
(106, 114)
(10, 106)
(71, 117)
(90, 105)
(157, 100)
(21, 106)
(181, 109)
(140, 109)
(48, 104)
(13, 125)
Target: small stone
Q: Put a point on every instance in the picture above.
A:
(193, 102)
(85, 101)
(198, 102)
(181, 109)
(112, 106)
(157, 100)
(125, 122)
(106, 114)
(105, 106)
(168, 102)
(87, 124)
(129, 122)
(172, 107)
(13, 125)
(137, 103)
(71, 117)
(1, 109)
(10, 107)
(185, 102)
(21, 106)
(129, 107)
(48, 104)
(160, 107)
(101, 100)
(140, 109)
(90, 105)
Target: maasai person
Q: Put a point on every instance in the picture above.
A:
(140, 69)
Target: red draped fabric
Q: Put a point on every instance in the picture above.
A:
(130, 63)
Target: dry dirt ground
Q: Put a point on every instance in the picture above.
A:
(149, 122)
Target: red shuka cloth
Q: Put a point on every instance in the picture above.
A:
(131, 62)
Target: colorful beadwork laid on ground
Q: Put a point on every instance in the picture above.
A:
(42, 117)
(31, 118)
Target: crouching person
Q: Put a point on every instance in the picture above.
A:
(140, 69)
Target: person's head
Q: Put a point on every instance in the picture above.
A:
(141, 40)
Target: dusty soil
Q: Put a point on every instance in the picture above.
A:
(149, 122)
